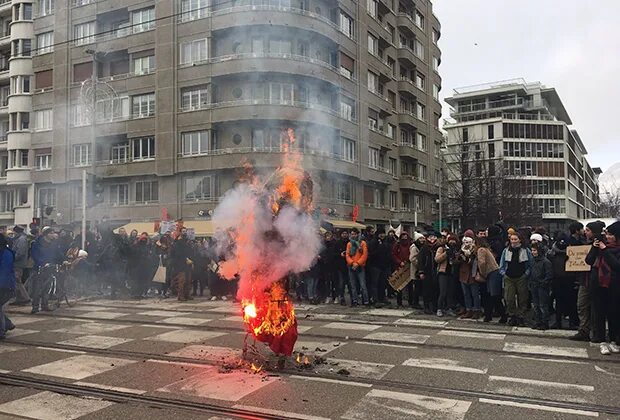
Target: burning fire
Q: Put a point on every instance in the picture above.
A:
(272, 222)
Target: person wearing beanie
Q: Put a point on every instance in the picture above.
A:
(356, 256)
(511, 231)
(20, 247)
(427, 271)
(401, 257)
(467, 268)
(604, 258)
(414, 252)
(516, 265)
(540, 287)
(469, 234)
(487, 272)
(563, 284)
(447, 270)
(379, 268)
(593, 231)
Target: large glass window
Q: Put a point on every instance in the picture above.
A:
(143, 65)
(43, 119)
(195, 143)
(194, 51)
(44, 162)
(348, 150)
(45, 42)
(143, 105)
(194, 9)
(346, 24)
(81, 154)
(147, 191)
(279, 46)
(119, 194)
(143, 148)
(143, 20)
(199, 188)
(194, 97)
(84, 33)
(46, 7)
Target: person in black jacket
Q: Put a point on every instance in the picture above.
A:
(563, 286)
(181, 259)
(604, 258)
(380, 267)
(427, 272)
(328, 258)
(341, 264)
(540, 287)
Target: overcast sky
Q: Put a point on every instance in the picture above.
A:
(571, 45)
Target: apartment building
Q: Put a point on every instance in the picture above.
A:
(522, 131)
(165, 101)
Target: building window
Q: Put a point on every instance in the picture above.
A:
(44, 162)
(280, 46)
(491, 131)
(348, 150)
(419, 49)
(18, 158)
(195, 143)
(465, 135)
(84, 33)
(20, 84)
(43, 119)
(393, 200)
(19, 121)
(346, 66)
(436, 64)
(436, 89)
(47, 197)
(143, 148)
(281, 93)
(113, 109)
(45, 43)
(437, 177)
(119, 153)
(81, 154)
(194, 97)
(147, 191)
(143, 65)
(193, 9)
(421, 142)
(347, 108)
(420, 81)
(143, 105)
(46, 7)
(373, 44)
(435, 36)
(199, 188)
(421, 172)
(119, 194)
(344, 192)
(420, 111)
(193, 52)
(373, 82)
(418, 201)
(346, 24)
(373, 158)
(392, 166)
(21, 48)
(143, 20)
(419, 20)
(491, 150)
(372, 6)
(391, 131)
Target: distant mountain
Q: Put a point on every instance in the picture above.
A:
(610, 179)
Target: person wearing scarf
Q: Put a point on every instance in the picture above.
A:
(516, 265)
(604, 257)
(467, 276)
(356, 255)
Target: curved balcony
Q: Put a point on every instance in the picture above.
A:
(22, 29)
(274, 62)
(283, 16)
(18, 176)
(410, 182)
(267, 157)
(252, 109)
(20, 65)
(410, 119)
(19, 140)
(407, 150)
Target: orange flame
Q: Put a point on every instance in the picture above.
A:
(256, 369)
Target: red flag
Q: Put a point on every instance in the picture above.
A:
(356, 212)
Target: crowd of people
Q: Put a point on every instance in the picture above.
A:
(518, 277)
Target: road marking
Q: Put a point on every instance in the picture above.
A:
(19, 332)
(544, 359)
(303, 328)
(52, 406)
(102, 315)
(388, 312)
(210, 353)
(211, 383)
(4, 371)
(469, 334)
(443, 364)
(398, 346)
(95, 341)
(7, 349)
(585, 388)
(398, 337)
(421, 322)
(79, 367)
(381, 404)
(539, 407)
(331, 381)
(21, 319)
(225, 310)
(351, 326)
(285, 414)
(356, 368)
(546, 350)
(91, 328)
(327, 317)
(185, 336)
(181, 320)
(552, 333)
(232, 318)
(61, 350)
(166, 314)
(111, 388)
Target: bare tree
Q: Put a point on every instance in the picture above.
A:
(610, 202)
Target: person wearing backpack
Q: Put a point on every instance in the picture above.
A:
(7, 284)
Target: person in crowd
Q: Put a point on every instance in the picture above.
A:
(311, 280)
(21, 250)
(400, 258)
(419, 241)
(563, 284)
(427, 271)
(391, 240)
(139, 263)
(7, 284)
(379, 268)
(604, 258)
(181, 258)
(356, 256)
(466, 262)
(341, 265)
(540, 287)
(445, 232)
(488, 272)
(44, 252)
(328, 259)
(516, 266)
(445, 258)
(133, 236)
(107, 266)
(482, 233)
(536, 239)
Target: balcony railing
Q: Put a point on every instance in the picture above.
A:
(266, 149)
(490, 105)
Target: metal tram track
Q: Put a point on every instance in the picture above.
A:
(158, 401)
(309, 316)
(209, 327)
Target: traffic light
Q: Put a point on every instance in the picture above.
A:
(94, 190)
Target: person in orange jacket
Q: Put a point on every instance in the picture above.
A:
(356, 256)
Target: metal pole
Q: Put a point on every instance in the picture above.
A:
(440, 188)
(93, 144)
(83, 208)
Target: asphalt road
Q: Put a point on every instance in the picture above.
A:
(162, 359)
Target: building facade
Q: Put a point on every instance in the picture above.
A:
(522, 132)
(166, 100)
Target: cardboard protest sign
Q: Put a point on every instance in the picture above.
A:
(576, 261)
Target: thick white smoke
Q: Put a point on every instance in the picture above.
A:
(259, 247)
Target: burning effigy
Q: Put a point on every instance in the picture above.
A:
(268, 233)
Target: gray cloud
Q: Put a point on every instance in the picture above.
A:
(571, 45)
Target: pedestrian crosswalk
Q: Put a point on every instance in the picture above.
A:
(202, 364)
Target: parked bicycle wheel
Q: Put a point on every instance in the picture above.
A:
(71, 291)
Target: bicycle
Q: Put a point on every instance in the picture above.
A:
(60, 285)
